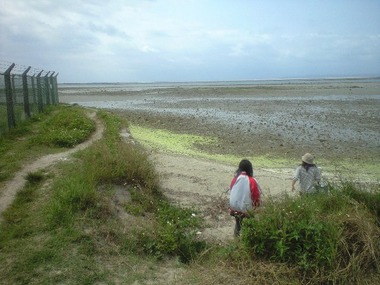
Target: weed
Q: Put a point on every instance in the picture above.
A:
(35, 177)
(34, 137)
(67, 233)
(319, 233)
(66, 128)
(292, 232)
(174, 234)
(370, 196)
(16, 222)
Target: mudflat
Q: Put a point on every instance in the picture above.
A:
(336, 120)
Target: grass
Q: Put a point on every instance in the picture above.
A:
(19, 116)
(319, 233)
(100, 218)
(66, 223)
(44, 133)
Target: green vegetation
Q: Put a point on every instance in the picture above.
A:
(173, 234)
(66, 128)
(186, 144)
(64, 224)
(201, 146)
(100, 218)
(44, 133)
(319, 233)
(18, 113)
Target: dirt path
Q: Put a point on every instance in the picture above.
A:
(18, 182)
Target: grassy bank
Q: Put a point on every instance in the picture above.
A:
(100, 207)
(44, 133)
(100, 218)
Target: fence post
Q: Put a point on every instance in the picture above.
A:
(13, 87)
(34, 89)
(55, 86)
(52, 91)
(9, 97)
(26, 93)
(39, 93)
(47, 88)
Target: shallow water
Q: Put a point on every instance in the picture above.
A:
(141, 86)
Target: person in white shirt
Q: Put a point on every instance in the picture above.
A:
(308, 175)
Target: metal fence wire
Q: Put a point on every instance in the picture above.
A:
(24, 91)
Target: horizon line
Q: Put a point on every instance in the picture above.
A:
(235, 80)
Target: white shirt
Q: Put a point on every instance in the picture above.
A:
(308, 178)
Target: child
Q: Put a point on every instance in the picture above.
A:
(244, 193)
(308, 175)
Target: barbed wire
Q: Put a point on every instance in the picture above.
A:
(19, 69)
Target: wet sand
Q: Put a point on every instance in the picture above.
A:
(335, 120)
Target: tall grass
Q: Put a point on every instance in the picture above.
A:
(329, 237)
(110, 161)
(58, 127)
(66, 128)
(68, 227)
(78, 214)
(18, 113)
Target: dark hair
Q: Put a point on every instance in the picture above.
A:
(307, 165)
(245, 166)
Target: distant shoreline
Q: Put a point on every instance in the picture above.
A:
(230, 82)
(335, 120)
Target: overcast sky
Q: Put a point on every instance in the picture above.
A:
(178, 40)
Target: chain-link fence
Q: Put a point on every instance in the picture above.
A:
(24, 91)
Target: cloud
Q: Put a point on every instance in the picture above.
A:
(191, 40)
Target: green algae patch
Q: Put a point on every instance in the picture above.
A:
(352, 170)
(168, 141)
(186, 144)
(189, 145)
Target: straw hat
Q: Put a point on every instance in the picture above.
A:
(308, 158)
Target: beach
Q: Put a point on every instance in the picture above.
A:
(273, 124)
(338, 120)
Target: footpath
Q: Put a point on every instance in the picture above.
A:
(18, 181)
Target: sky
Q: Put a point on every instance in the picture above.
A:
(192, 40)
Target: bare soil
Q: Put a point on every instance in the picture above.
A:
(203, 184)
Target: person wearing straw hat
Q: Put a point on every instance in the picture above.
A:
(308, 175)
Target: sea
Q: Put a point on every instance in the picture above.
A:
(140, 86)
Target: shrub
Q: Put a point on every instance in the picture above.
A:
(369, 197)
(66, 128)
(332, 236)
(292, 231)
(35, 177)
(174, 234)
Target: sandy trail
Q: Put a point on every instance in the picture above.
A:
(18, 182)
(202, 185)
